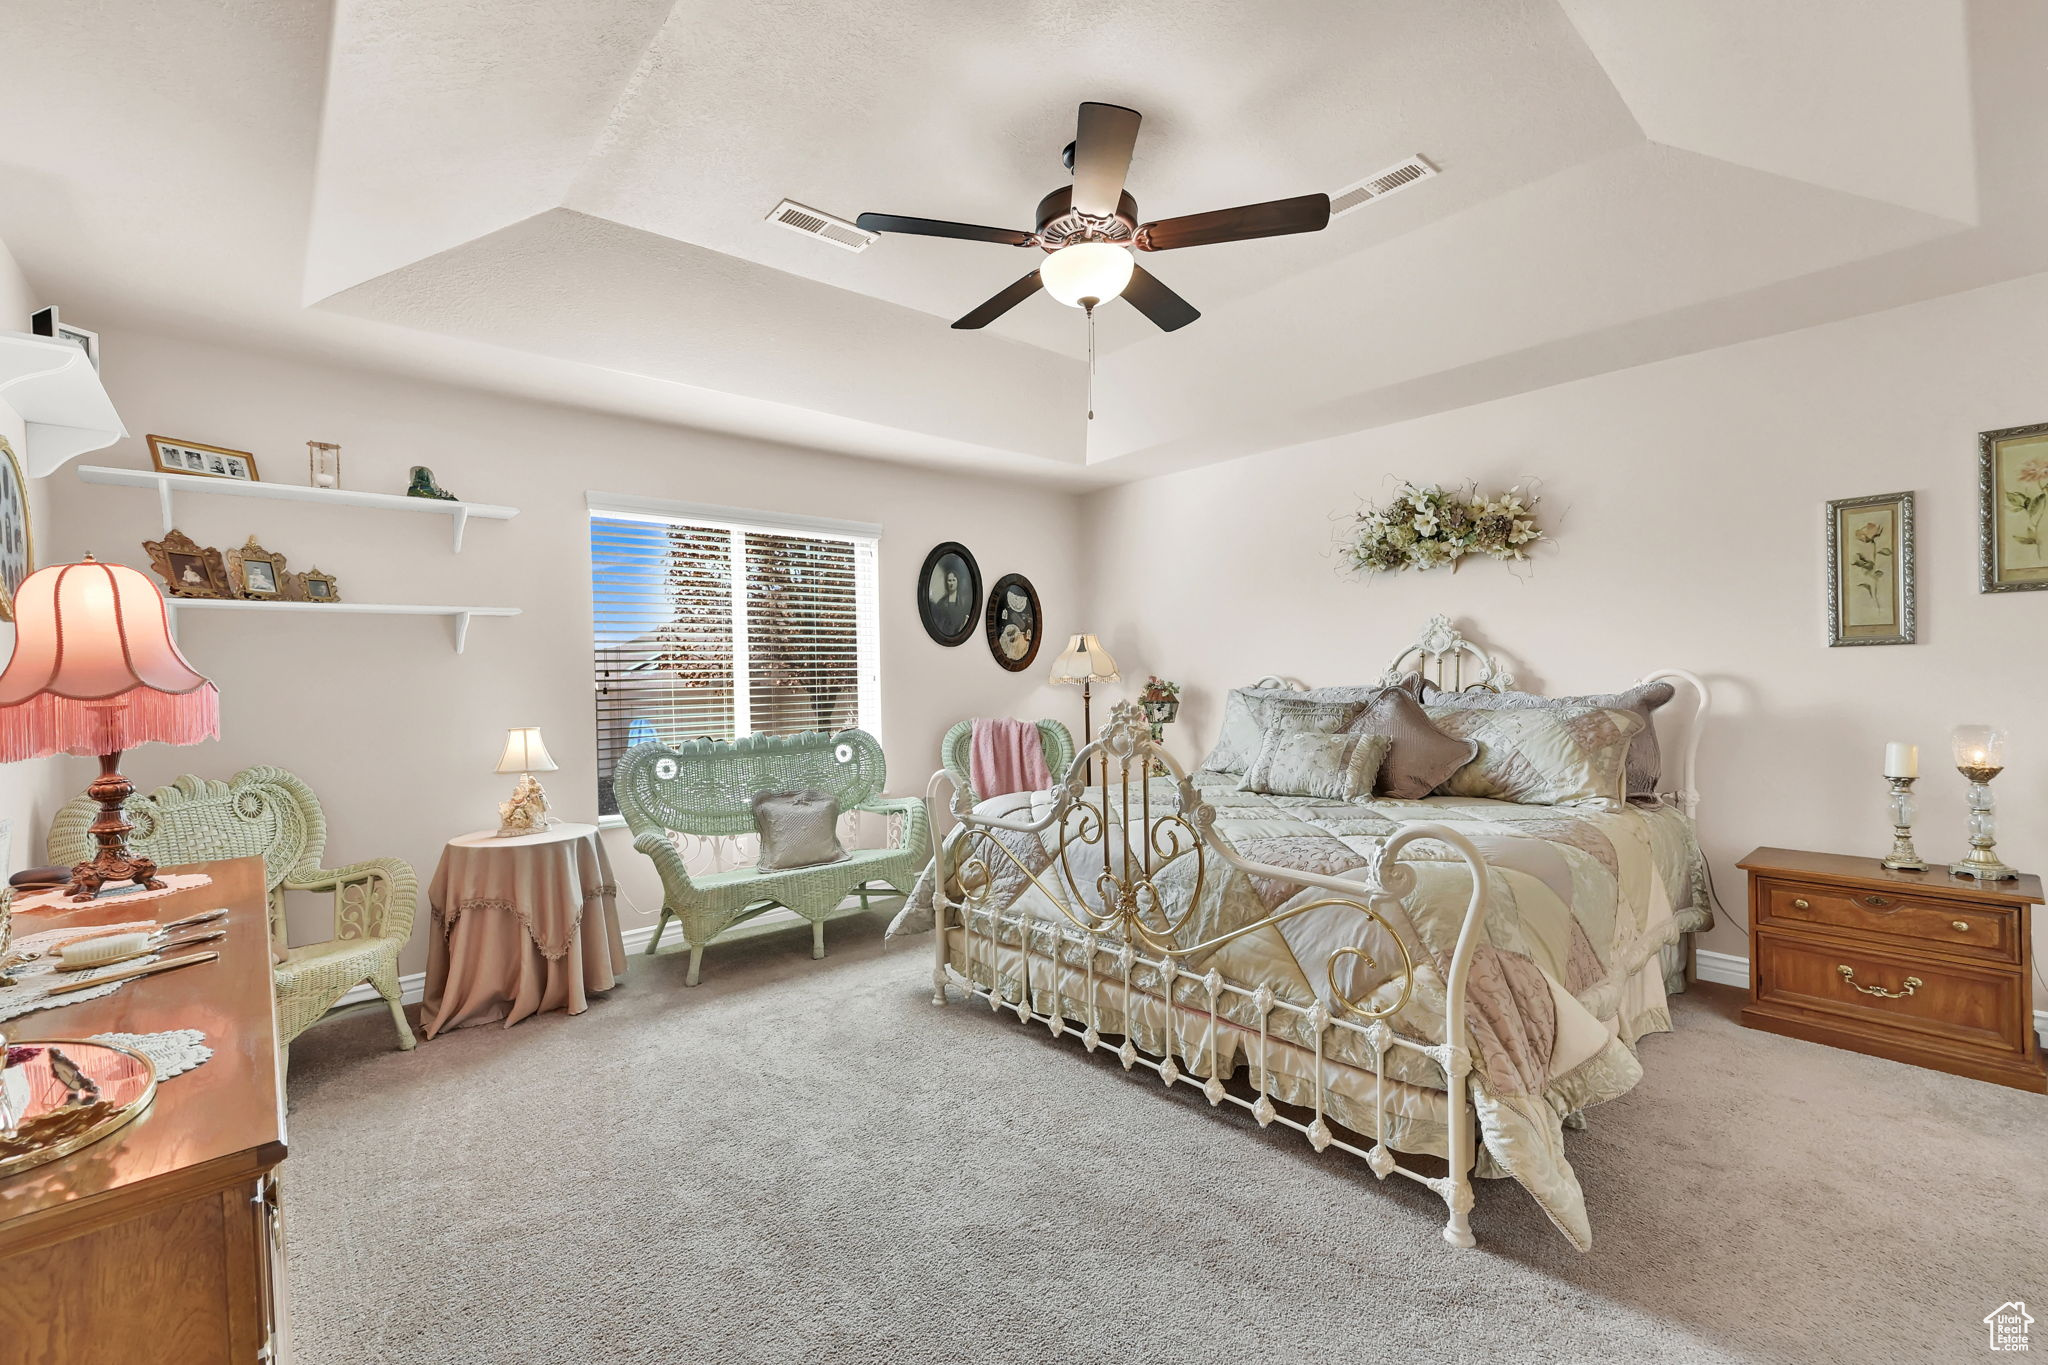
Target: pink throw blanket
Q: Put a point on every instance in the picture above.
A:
(1006, 757)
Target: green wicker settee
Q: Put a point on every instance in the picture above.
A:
(706, 787)
(270, 812)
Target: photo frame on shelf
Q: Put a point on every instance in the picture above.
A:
(314, 586)
(188, 568)
(949, 593)
(1870, 570)
(2012, 509)
(173, 456)
(257, 574)
(17, 533)
(1013, 622)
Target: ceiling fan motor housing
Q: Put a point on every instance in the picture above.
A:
(1060, 224)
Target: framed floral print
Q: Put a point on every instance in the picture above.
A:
(1870, 570)
(1012, 622)
(2012, 492)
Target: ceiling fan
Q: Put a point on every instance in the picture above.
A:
(1089, 229)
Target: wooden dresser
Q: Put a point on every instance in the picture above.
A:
(1920, 967)
(162, 1243)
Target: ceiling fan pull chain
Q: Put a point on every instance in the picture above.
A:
(1091, 362)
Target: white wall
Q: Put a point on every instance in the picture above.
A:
(1686, 500)
(398, 734)
(31, 791)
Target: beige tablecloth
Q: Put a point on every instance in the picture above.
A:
(520, 925)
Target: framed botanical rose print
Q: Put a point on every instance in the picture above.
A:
(2012, 493)
(1870, 570)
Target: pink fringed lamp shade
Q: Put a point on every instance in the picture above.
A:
(95, 670)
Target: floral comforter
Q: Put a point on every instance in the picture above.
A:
(1566, 978)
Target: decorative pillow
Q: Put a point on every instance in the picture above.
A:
(1645, 761)
(1248, 712)
(1542, 755)
(1336, 767)
(1419, 755)
(797, 829)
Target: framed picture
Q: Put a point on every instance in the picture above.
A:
(949, 593)
(1013, 622)
(44, 322)
(209, 462)
(256, 573)
(17, 536)
(314, 586)
(188, 568)
(2012, 495)
(1870, 570)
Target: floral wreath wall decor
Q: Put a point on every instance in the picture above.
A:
(1426, 526)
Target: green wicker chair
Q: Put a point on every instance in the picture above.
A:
(270, 812)
(706, 787)
(1054, 739)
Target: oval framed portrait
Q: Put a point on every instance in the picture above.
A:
(17, 537)
(1013, 622)
(949, 593)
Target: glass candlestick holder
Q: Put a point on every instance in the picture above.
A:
(1980, 756)
(1903, 857)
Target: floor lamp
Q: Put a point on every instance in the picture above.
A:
(94, 672)
(1086, 662)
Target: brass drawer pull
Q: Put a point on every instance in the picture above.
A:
(1913, 983)
(1875, 901)
(1801, 903)
(1961, 926)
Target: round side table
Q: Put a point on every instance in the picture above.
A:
(520, 925)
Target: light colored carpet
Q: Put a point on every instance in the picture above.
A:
(805, 1161)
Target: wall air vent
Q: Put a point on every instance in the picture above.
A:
(1392, 180)
(818, 223)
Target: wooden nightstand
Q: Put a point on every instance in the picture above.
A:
(1920, 967)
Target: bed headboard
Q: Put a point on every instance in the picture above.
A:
(1455, 664)
(1449, 661)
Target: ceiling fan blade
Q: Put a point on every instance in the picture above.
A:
(1167, 309)
(1001, 303)
(1275, 218)
(1103, 138)
(938, 227)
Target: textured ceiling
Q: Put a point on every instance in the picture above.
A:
(568, 200)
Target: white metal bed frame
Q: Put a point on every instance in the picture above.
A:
(1128, 925)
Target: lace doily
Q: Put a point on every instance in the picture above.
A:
(32, 981)
(173, 1052)
(173, 882)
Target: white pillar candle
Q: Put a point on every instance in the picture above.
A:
(1901, 759)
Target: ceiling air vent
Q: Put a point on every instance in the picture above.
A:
(818, 223)
(1392, 180)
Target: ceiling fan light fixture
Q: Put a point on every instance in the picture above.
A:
(1086, 273)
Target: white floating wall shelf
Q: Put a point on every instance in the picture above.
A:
(58, 393)
(168, 484)
(459, 616)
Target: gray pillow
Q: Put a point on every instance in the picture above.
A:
(797, 829)
(1419, 757)
(1645, 761)
(1338, 767)
(1248, 712)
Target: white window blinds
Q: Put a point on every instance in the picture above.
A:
(715, 626)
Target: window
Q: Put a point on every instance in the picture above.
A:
(718, 623)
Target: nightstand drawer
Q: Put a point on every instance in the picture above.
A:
(1952, 926)
(1898, 991)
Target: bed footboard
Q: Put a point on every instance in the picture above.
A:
(1117, 922)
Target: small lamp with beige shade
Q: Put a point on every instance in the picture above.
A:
(526, 812)
(1086, 662)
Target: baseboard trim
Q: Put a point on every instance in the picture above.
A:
(1726, 969)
